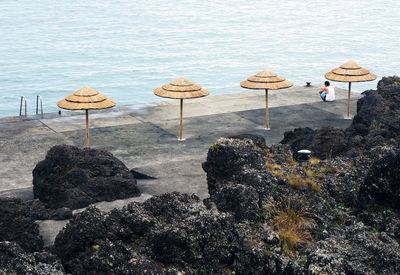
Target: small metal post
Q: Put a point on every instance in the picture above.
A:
(37, 104)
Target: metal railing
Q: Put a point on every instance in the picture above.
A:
(23, 99)
(39, 98)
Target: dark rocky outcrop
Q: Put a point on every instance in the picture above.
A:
(17, 225)
(165, 234)
(383, 182)
(324, 143)
(379, 110)
(250, 182)
(38, 211)
(225, 163)
(74, 178)
(377, 122)
(14, 260)
(353, 250)
(241, 200)
(240, 183)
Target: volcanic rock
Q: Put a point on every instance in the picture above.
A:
(89, 224)
(14, 260)
(62, 213)
(74, 178)
(353, 250)
(324, 143)
(228, 158)
(380, 109)
(166, 234)
(17, 225)
(258, 141)
(241, 200)
(239, 182)
(383, 182)
(37, 210)
(258, 180)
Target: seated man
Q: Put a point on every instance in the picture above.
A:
(327, 93)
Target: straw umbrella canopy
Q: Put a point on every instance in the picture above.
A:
(350, 72)
(266, 80)
(86, 99)
(181, 88)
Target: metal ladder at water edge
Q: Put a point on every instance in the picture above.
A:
(24, 102)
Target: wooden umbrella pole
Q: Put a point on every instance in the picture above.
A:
(348, 101)
(181, 124)
(266, 109)
(87, 129)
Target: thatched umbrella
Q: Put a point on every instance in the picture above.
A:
(86, 99)
(350, 72)
(266, 80)
(181, 88)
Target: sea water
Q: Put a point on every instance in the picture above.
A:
(126, 48)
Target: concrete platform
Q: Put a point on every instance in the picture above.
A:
(145, 136)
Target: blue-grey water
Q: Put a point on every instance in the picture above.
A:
(126, 48)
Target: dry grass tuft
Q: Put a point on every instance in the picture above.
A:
(314, 161)
(277, 174)
(309, 172)
(289, 241)
(274, 169)
(271, 165)
(293, 228)
(296, 180)
(328, 170)
(289, 217)
(292, 161)
(315, 187)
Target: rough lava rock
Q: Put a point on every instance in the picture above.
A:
(381, 106)
(240, 183)
(14, 260)
(167, 234)
(383, 182)
(17, 225)
(225, 163)
(74, 178)
(353, 250)
(324, 143)
(241, 200)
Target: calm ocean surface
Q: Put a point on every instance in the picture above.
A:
(126, 48)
